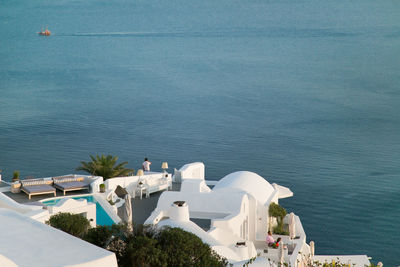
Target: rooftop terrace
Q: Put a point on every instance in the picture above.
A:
(141, 208)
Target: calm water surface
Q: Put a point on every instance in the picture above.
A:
(305, 93)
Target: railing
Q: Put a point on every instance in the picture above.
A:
(300, 243)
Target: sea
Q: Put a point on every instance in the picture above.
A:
(306, 93)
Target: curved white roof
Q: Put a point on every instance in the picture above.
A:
(8, 203)
(28, 242)
(249, 182)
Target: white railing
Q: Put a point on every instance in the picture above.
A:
(153, 182)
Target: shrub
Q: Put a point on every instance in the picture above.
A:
(99, 236)
(149, 246)
(73, 224)
(102, 235)
(102, 188)
(278, 230)
(144, 251)
(192, 250)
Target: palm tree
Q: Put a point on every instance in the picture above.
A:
(104, 166)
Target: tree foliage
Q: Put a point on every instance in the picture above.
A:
(277, 211)
(102, 235)
(191, 249)
(148, 246)
(73, 224)
(105, 166)
(144, 246)
(144, 251)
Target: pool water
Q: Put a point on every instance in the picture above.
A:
(102, 217)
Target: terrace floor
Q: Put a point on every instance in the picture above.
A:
(3, 184)
(142, 208)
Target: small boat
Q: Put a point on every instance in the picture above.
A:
(45, 32)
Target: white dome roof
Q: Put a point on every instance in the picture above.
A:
(249, 182)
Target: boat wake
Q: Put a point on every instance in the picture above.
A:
(153, 34)
(264, 32)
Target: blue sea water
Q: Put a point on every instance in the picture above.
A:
(304, 93)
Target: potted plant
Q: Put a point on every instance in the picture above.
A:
(15, 176)
(16, 185)
(102, 188)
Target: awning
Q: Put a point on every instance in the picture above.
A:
(283, 192)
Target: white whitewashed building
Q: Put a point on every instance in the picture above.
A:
(234, 218)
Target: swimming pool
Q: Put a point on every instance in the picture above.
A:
(102, 218)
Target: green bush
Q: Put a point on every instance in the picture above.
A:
(278, 230)
(192, 250)
(102, 235)
(149, 246)
(144, 251)
(99, 236)
(73, 224)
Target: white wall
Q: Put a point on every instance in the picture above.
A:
(224, 236)
(195, 185)
(235, 222)
(95, 182)
(192, 171)
(262, 217)
(130, 182)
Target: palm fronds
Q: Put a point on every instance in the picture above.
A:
(104, 166)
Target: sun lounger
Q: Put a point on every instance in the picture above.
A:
(70, 184)
(37, 187)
